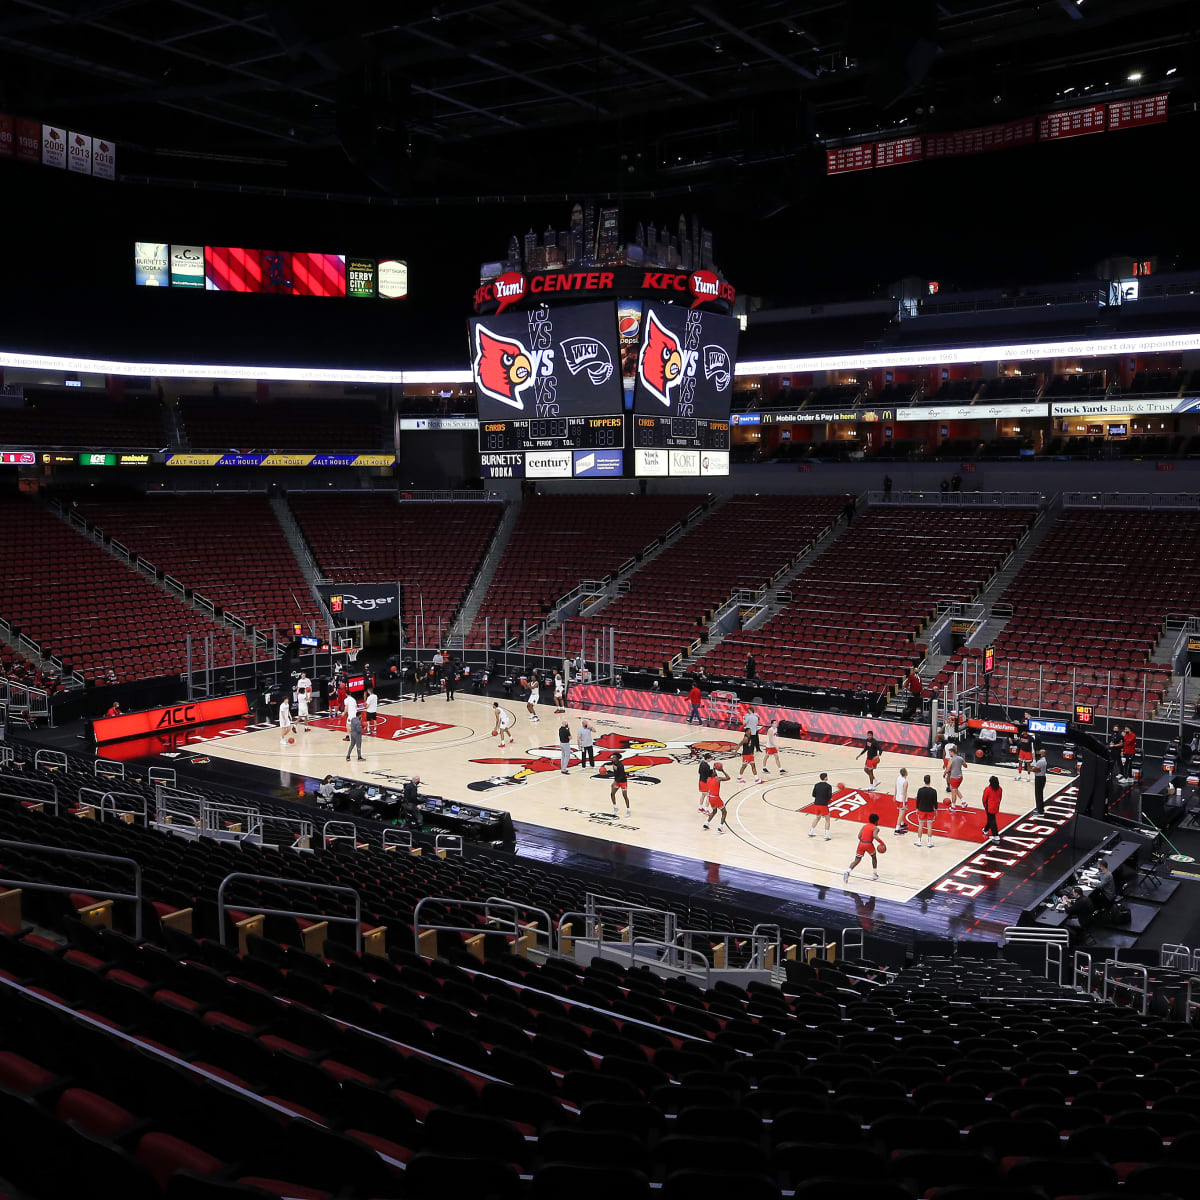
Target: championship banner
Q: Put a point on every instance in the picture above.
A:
(7, 136)
(362, 601)
(981, 139)
(175, 716)
(79, 153)
(54, 146)
(843, 159)
(29, 140)
(898, 150)
(1071, 122)
(104, 159)
(1145, 110)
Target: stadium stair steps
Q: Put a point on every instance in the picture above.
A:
(777, 596)
(616, 588)
(466, 615)
(301, 552)
(96, 535)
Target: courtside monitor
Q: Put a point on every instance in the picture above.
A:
(682, 391)
(548, 390)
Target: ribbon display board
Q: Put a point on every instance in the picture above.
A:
(819, 724)
(174, 716)
(1048, 127)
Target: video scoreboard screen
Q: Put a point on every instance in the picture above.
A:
(549, 393)
(682, 390)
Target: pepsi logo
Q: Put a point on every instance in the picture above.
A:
(629, 325)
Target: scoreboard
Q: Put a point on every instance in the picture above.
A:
(682, 390)
(552, 433)
(552, 387)
(549, 393)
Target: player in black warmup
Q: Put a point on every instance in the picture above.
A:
(620, 780)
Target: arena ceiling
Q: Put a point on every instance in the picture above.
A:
(509, 98)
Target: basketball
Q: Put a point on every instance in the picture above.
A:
(881, 847)
(493, 733)
(979, 755)
(291, 741)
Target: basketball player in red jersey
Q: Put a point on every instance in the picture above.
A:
(869, 842)
(715, 804)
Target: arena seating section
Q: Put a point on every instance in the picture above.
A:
(230, 549)
(434, 550)
(859, 609)
(561, 540)
(741, 543)
(87, 421)
(1093, 596)
(177, 1067)
(79, 603)
(337, 423)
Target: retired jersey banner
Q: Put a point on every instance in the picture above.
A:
(362, 601)
(7, 135)
(898, 150)
(1071, 122)
(1145, 110)
(843, 159)
(981, 139)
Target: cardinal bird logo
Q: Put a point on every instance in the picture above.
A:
(503, 367)
(660, 364)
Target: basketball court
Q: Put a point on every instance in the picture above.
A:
(449, 744)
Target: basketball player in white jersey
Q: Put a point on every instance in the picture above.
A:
(559, 693)
(530, 690)
(286, 725)
(502, 725)
(351, 706)
(771, 753)
(371, 703)
(303, 697)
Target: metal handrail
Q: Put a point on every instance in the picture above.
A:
(806, 940)
(327, 837)
(1111, 969)
(451, 843)
(395, 839)
(858, 943)
(305, 829)
(37, 886)
(1081, 964)
(670, 951)
(161, 775)
(514, 926)
(1170, 953)
(684, 937)
(118, 773)
(1054, 958)
(529, 908)
(113, 810)
(25, 799)
(356, 920)
(57, 757)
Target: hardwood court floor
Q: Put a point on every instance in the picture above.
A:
(449, 744)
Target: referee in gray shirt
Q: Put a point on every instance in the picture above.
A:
(1040, 768)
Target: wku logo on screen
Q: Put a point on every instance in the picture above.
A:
(663, 363)
(505, 367)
